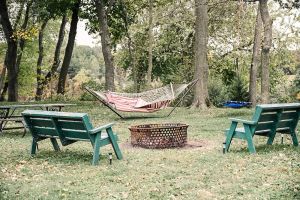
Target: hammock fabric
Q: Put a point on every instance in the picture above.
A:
(147, 102)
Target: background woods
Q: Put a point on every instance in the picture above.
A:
(239, 50)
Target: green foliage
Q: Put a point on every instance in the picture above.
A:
(295, 90)
(117, 13)
(238, 90)
(172, 47)
(27, 74)
(52, 9)
(218, 93)
(88, 58)
(92, 84)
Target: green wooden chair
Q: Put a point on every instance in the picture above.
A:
(268, 119)
(69, 128)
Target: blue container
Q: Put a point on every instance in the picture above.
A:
(236, 104)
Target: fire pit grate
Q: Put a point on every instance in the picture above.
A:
(159, 136)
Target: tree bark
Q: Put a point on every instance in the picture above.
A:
(265, 54)
(201, 65)
(105, 43)
(69, 50)
(56, 59)
(39, 79)
(11, 56)
(2, 97)
(255, 58)
(150, 36)
(2, 78)
(3, 72)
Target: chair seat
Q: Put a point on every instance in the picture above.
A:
(240, 132)
(103, 136)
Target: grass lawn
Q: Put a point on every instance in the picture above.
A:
(187, 173)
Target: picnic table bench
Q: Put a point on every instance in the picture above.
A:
(7, 113)
(69, 127)
(267, 120)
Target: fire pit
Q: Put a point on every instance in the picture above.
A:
(159, 136)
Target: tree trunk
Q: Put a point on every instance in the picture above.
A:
(22, 40)
(2, 80)
(11, 56)
(150, 35)
(255, 58)
(69, 50)
(38, 94)
(3, 72)
(265, 54)
(2, 97)
(201, 65)
(56, 59)
(105, 43)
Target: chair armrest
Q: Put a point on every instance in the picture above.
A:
(99, 129)
(243, 121)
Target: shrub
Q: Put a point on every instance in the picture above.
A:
(238, 90)
(92, 84)
(217, 92)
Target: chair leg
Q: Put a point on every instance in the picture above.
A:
(251, 146)
(33, 146)
(294, 138)
(271, 138)
(114, 143)
(96, 154)
(55, 144)
(229, 135)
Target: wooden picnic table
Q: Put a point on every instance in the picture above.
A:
(7, 113)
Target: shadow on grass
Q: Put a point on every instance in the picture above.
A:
(14, 134)
(265, 148)
(68, 157)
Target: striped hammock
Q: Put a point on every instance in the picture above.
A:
(147, 102)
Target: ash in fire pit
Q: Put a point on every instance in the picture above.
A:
(159, 136)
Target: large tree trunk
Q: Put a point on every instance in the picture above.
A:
(265, 54)
(22, 40)
(56, 59)
(150, 36)
(201, 65)
(255, 58)
(39, 79)
(3, 72)
(11, 56)
(69, 50)
(105, 43)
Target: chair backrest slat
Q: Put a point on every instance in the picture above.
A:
(42, 131)
(267, 116)
(276, 116)
(264, 126)
(58, 124)
(69, 134)
(41, 122)
(71, 124)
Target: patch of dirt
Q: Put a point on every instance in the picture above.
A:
(191, 144)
